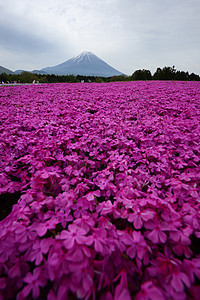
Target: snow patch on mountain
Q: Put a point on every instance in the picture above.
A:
(86, 63)
(84, 56)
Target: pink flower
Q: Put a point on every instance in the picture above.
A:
(138, 217)
(38, 249)
(179, 280)
(91, 195)
(78, 254)
(138, 246)
(106, 207)
(65, 199)
(81, 188)
(98, 237)
(182, 249)
(23, 233)
(82, 278)
(165, 265)
(149, 292)
(182, 245)
(122, 291)
(57, 263)
(7, 249)
(62, 291)
(101, 181)
(18, 269)
(34, 282)
(86, 222)
(192, 268)
(157, 234)
(64, 217)
(72, 235)
(99, 191)
(81, 208)
(41, 228)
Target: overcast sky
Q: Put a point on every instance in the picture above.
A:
(128, 34)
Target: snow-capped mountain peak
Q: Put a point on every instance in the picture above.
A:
(85, 56)
(86, 63)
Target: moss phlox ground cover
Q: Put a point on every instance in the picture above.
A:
(100, 191)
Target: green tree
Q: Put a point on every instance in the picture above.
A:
(141, 75)
(27, 77)
(194, 76)
(181, 75)
(167, 73)
(3, 77)
(119, 78)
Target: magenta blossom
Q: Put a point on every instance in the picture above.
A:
(38, 249)
(33, 283)
(99, 190)
(72, 235)
(149, 292)
(138, 246)
(157, 233)
(138, 217)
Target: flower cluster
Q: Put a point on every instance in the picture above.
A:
(100, 191)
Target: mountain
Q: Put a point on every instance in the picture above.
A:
(19, 72)
(86, 63)
(5, 70)
(39, 72)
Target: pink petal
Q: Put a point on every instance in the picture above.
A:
(131, 251)
(138, 222)
(69, 243)
(26, 290)
(155, 294)
(153, 236)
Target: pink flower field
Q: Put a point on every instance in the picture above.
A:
(100, 191)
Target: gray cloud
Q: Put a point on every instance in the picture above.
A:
(19, 41)
(127, 34)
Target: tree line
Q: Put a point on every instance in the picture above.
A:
(166, 73)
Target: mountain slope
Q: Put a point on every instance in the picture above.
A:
(86, 63)
(19, 72)
(5, 70)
